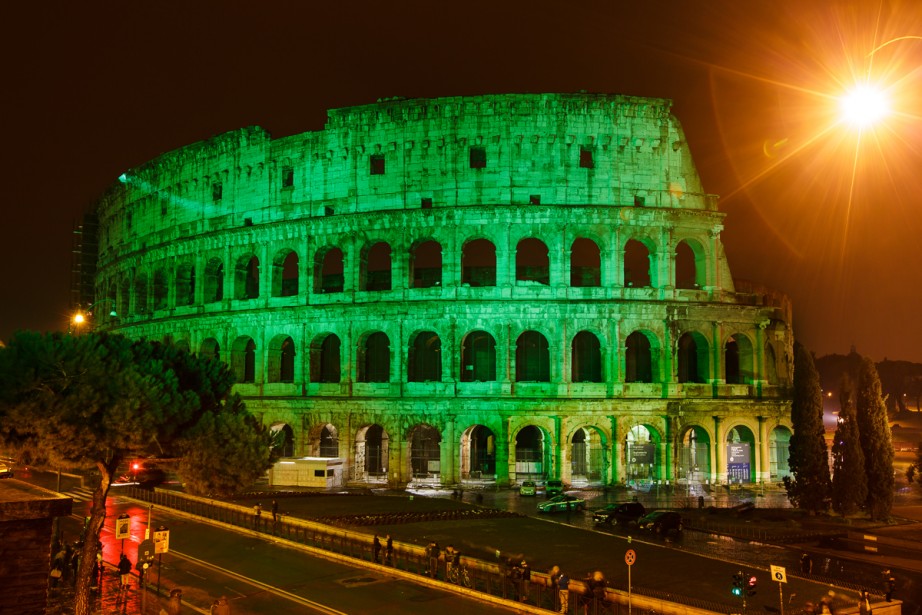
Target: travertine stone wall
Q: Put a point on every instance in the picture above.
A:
(243, 210)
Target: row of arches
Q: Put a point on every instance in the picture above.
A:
(479, 358)
(585, 456)
(192, 281)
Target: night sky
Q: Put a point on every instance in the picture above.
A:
(93, 89)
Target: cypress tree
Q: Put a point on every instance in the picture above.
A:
(849, 481)
(809, 485)
(876, 443)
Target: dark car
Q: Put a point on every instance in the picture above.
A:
(552, 488)
(6, 470)
(661, 522)
(620, 514)
(143, 475)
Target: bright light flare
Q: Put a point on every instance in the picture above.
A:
(865, 106)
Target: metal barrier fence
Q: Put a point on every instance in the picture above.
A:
(475, 574)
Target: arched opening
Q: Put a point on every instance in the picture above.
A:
(140, 295)
(376, 268)
(778, 448)
(478, 263)
(426, 265)
(160, 290)
(326, 359)
(210, 349)
(283, 440)
(478, 357)
(324, 441)
(585, 263)
(587, 456)
(246, 278)
(689, 268)
(692, 358)
(371, 453)
(642, 462)
(328, 271)
(425, 460)
(243, 360)
(741, 467)
(185, 284)
(285, 274)
(532, 358)
(771, 364)
(478, 453)
(374, 364)
(638, 359)
(281, 359)
(530, 454)
(695, 455)
(214, 281)
(586, 358)
(638, 265)
(424, 363)
(531, 262)
(738, 360)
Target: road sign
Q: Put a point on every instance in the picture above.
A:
(122, 527)
(630, 557)
(161, 540)
(778, 574)
(146, 551)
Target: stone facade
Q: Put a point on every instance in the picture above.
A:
(480, 289)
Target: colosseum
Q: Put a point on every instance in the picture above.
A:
(464, 291)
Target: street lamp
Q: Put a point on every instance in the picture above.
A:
(81, 317)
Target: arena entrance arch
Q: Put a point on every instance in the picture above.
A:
(587, 457)
(694, 467)
(741, 451)
(642, 457)
(478, 453)
(283, 439)
(778, 445)
(371, 453)
(425, 458)
(532, 457)
(324, 441)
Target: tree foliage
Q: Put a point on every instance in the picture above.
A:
(97, 400)
(849, 481)
(809, 485)
(871, 411)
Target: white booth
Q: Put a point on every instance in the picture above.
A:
(307, 472)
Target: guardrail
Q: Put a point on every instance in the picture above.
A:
(478, 575)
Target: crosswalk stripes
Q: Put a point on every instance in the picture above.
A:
(79, 494)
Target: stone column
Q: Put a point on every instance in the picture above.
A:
(719, 465)
(763, 460)
(502, 456)
(449, 452)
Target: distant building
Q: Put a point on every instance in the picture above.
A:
(485, 289)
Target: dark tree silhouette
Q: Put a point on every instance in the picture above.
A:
(876, 443)
(849, 480)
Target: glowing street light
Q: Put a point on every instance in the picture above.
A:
(81, 317)
(864, 106)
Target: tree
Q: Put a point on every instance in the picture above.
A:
(876, 443)
(97, 400)
(809, 486)
(849, 481)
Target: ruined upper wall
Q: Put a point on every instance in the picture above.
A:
(410, 153)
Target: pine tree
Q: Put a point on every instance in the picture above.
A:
(809, 485)
(849, 481)
(876, 443)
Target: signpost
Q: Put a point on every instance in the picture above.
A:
(629, 558)
(161, 546)
(123, 528)
(778, 574)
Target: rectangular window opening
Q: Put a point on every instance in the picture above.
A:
(585, 158)
(534, 199)
(377, 164)
(478, 158)
(320, 473)
(217, 191)
(426, 204)
(639, 201)
(288, 177)
(328, 211)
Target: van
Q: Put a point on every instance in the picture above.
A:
(552, 488)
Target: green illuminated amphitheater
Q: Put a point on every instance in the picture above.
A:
(464, 291)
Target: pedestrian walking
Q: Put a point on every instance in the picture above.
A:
(220, 606)
(389, 551)
(595, 594)
(124, 572)
(806, 563)
(889, 585)
(432, 551)
(257, 513)
(275, 511)
(524, 580)
(563, 590)
(75, 562)
(450, 560)
(864, 604)
(377, 549)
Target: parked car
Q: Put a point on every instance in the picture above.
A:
(620, 514)
(528, 487)
(552, 488)
(661, 521)
(144, 475)
(562, 502)
(6, 470)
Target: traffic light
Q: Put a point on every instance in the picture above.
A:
(751, 585)
(737, 589)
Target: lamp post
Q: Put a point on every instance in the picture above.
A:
(81, 317)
